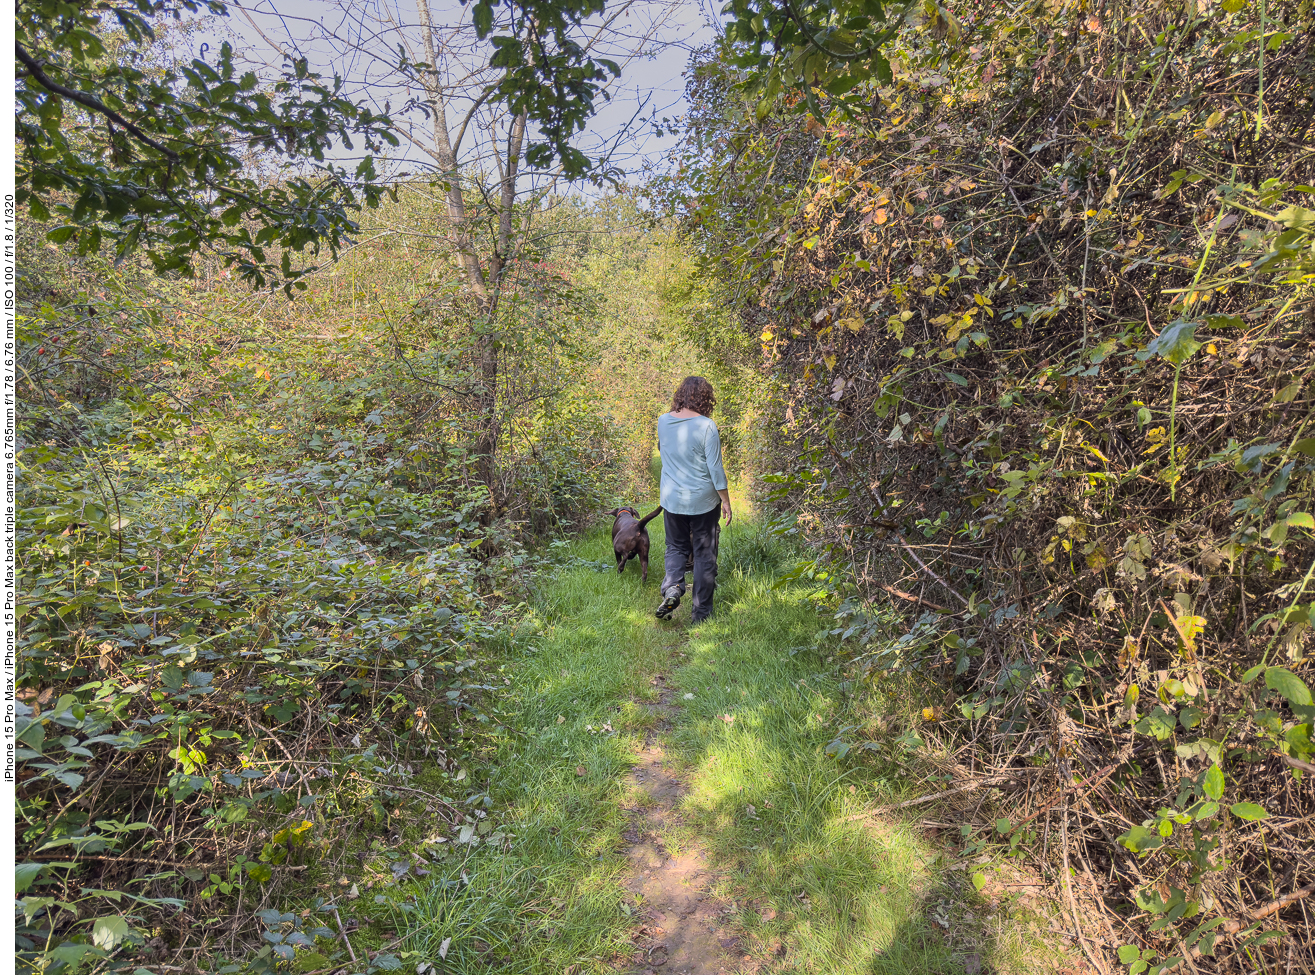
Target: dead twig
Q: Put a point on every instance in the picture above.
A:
(969, 787)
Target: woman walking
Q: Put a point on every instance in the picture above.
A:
(694, 495)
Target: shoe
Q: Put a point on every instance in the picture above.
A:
(668, 605)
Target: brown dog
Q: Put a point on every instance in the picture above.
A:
(630, 538)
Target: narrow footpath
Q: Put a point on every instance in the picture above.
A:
(665, 804)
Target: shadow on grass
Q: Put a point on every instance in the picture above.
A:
(824, 888)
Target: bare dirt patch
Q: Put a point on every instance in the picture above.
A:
(681, 932)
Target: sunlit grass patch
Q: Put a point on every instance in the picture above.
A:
(822, 891)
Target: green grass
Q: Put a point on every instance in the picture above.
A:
(552, 897)
(772, 807)
(816, 893)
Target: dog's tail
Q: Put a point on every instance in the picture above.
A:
(650, 516)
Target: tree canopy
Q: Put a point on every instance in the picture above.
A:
(127, 148)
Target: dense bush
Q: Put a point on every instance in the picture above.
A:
(1039, 327)
(199, 663)
(259, 583)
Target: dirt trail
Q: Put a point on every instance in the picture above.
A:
(681, 932)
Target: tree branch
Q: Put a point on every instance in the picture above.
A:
(87, 101)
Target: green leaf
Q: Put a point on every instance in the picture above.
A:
(71, 953)
(1248, 811)
(25, 874)
(1295, 217)
(837, 749)
(261, 873)
(1159, 723)
(1139, 839)
(1129, 954)
(1176, 343)
(1298, 736)
(1213, 783)
(482, 15)
(1288, 684)
(979, 880)
(881, 68)
(109, 932)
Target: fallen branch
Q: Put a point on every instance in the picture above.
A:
(917, 599)
(1233, 927)
(969, 787)
(1295, 762)
(342, 930)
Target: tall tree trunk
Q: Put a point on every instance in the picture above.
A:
(485, 288)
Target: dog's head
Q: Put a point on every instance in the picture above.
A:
(617, 512)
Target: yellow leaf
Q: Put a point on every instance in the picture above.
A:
(1189, 628)
(1211, 349)
(830, 361)
(766, 335)
(880, 217)
(855, 324)
(1097, 452)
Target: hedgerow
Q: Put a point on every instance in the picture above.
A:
(1039, 330)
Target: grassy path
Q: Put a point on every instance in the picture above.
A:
(665, 802)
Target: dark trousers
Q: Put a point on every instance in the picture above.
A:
(697, 536)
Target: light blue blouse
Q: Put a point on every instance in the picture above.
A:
(692, 472)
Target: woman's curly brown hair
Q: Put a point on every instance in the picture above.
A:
(694, 393)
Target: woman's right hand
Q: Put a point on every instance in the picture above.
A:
(725, 505)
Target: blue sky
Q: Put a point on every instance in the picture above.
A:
(356, 38)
